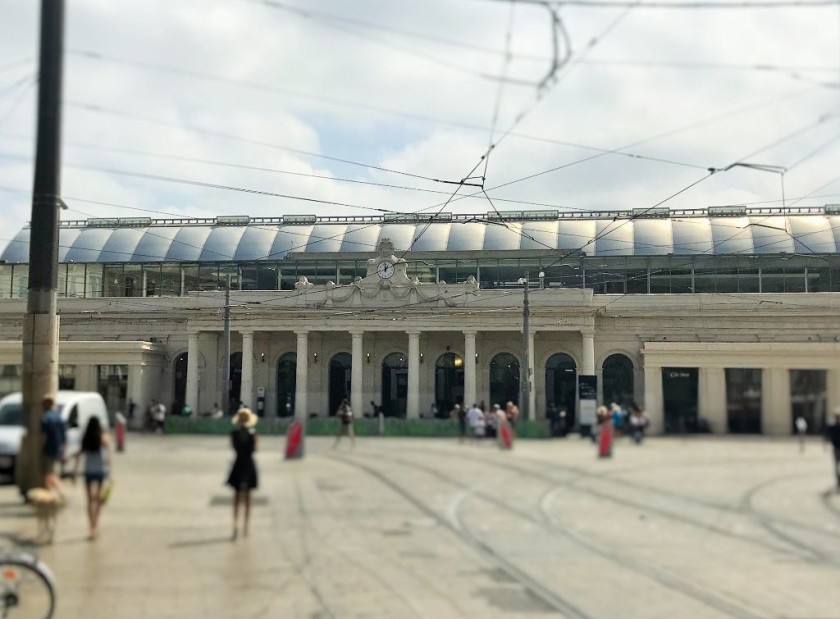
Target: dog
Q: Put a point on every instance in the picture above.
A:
(46, 504)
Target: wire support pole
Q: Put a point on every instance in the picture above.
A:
(225, 395)
(526, 336)
(40, 328)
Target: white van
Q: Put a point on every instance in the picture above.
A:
(76, 408)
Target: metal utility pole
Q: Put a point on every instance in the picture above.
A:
(526, 334)
(225, 397)
(40, 325)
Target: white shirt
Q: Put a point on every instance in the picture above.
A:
(475, 417)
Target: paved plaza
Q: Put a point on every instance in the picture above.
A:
(704, 528)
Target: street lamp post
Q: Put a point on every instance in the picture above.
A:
(526, 335)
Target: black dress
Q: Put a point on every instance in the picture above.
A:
(243, 474)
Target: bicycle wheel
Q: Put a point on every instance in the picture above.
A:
(26, 589)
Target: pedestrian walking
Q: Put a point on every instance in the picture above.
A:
(54, 437)
(243, 476)
(477, 422)
(345, 416)
(832, 434)
(460, 415)
(98, 470)
(801, 431)
(512, 415)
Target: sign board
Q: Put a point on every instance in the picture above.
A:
(260, 392)
(587, 399)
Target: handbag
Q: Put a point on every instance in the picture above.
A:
(105, 494)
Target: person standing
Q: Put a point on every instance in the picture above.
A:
(345, 416)
(460, 415)
(801, 431)
(54, 437)
(512, 415)
(96, 450)
(832, 434)
(477, 421)
(243, 476)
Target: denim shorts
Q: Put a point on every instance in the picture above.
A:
(95, 477)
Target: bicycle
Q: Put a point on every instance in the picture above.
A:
(27, 589)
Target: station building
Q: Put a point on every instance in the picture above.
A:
(724, 319)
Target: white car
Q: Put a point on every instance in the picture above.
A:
(76, 408)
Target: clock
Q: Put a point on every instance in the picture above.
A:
(385, 269)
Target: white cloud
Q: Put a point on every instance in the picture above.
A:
(603, 105)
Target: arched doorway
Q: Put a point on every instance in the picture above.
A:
(181, 363)
(394, 385)
(286, 384)
(561, 387)
(449, 382)
(504, 379)
(235, 393)
(617, 378)
(340, 372)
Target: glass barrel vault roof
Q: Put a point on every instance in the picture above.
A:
(179, 241)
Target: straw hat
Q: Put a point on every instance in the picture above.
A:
(245, 417)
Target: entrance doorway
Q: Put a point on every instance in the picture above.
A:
(504, 379)
(809, 399)
(561, 387)
(449, 383)
(181, 362)
(112, 385)
(286, 384)
(394, 385)
(679, 396)
(617, 375)
(743, 400)
(235, 393)
(340, 372)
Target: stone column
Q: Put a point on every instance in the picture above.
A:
(532, 387)
(470, 394)
(653, 399)
(192, 372)
(775, 402)
(712, 398)
(588, 357)
(357, 374)
(413, 404)
(302, 374)
(137, 394)
(832, 377)
(246, 394)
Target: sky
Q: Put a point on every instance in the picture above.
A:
(198, 108)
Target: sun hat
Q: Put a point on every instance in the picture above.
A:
(245, 417)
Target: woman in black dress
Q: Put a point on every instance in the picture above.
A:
(243, 474)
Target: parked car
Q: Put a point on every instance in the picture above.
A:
(76, 408)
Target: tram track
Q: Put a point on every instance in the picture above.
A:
(797, 548)
(657, 575)
(516, 574)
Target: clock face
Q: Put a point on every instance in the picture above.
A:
(385, 270)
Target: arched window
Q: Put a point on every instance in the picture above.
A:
(394, 385)
(504, 379)
(618, 380)
(449, 383)
(286, 384)
(561, 387)
(340, 373)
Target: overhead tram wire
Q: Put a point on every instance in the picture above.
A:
(666, 4)
(432, 38)
(401, 113)
(318, 17)
(503, 72)
(227, 136)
